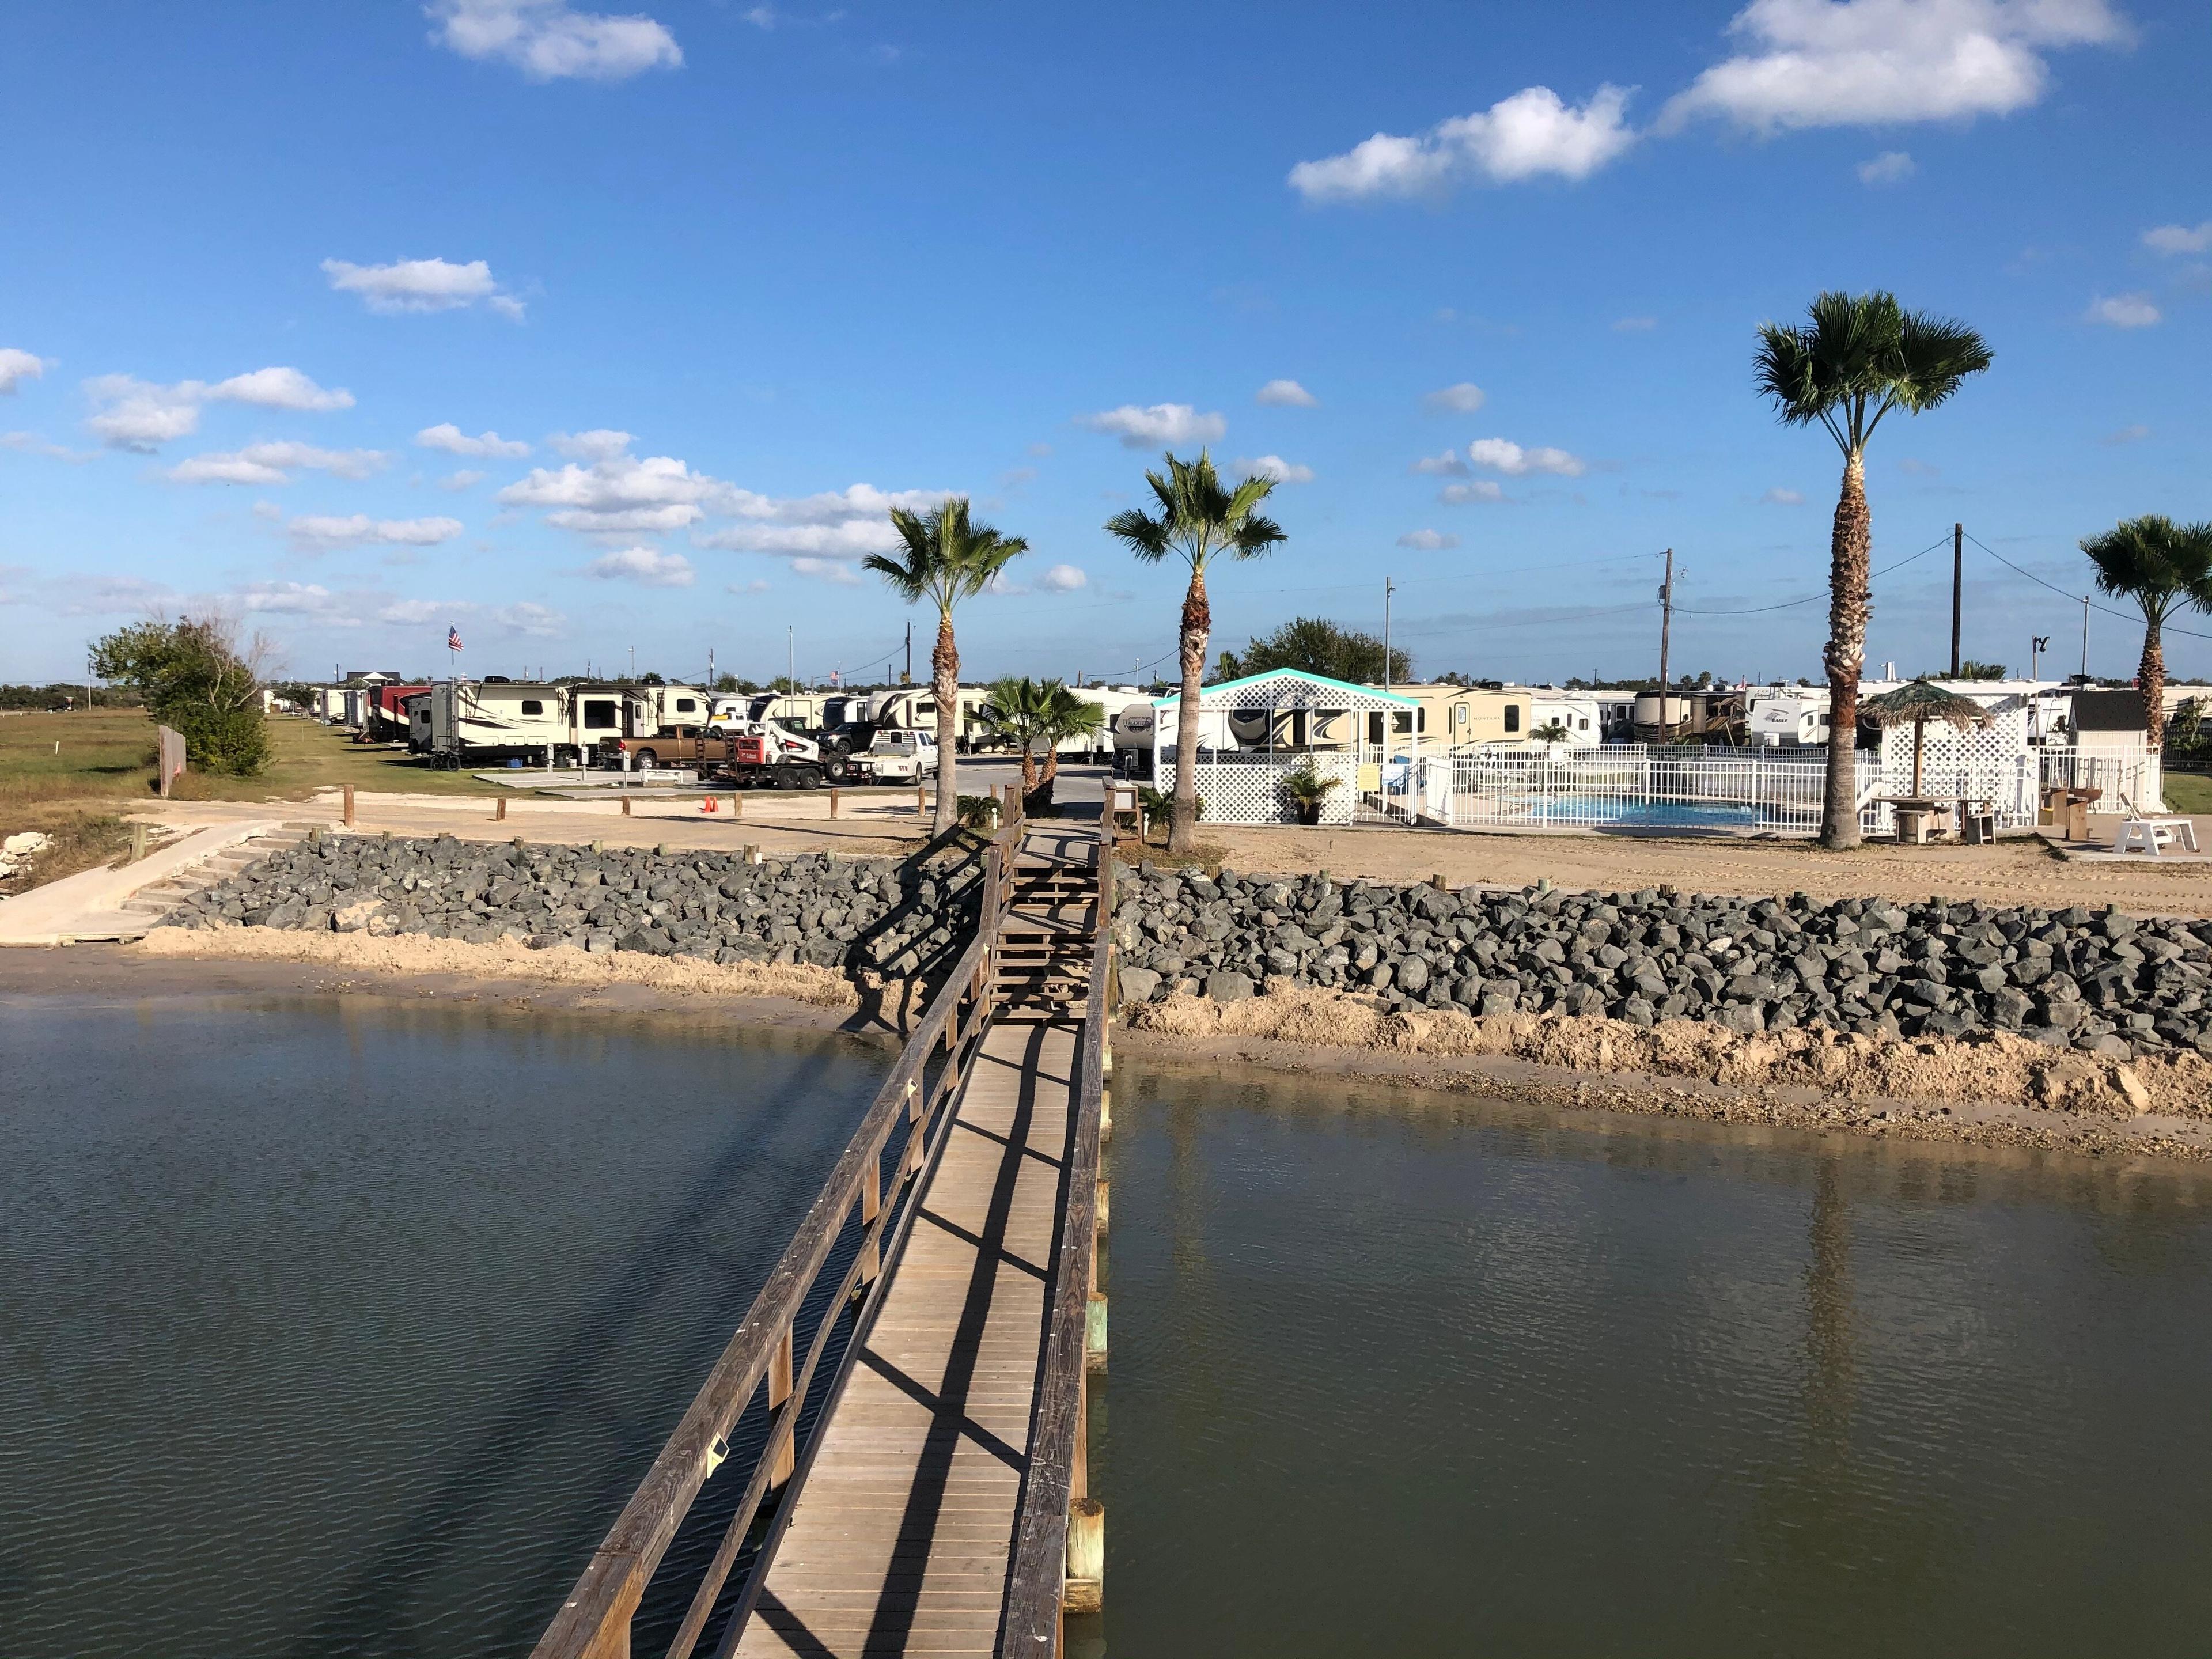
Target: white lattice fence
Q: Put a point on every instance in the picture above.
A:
(1249, 790)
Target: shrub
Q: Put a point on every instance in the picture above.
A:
(233, 741)
(979, 812)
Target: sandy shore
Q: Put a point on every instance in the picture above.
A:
(2008, 1092)
(2005, 1091)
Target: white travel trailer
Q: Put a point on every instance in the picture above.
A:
(476, 723)
(1786, 716)
(1576, 711)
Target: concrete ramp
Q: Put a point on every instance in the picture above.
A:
(105, 904)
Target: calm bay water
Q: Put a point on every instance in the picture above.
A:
(345, 1329)
(1393, 1374)
(342, 1328)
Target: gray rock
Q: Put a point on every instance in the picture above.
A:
(1138, 984)
(1228, 987)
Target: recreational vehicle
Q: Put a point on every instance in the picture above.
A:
(477, 722)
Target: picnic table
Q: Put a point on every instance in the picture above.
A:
(2155, 835)
(1922, 818)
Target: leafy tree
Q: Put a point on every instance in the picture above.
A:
(196, 677)
(650, 678)
(1856, 358)
(732, 683)
(2162, 566)
(1198, 520)
(1319, 647)
(1968, 670)
(946, 558)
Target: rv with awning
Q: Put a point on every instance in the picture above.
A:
(483, 722)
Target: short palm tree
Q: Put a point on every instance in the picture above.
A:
(2162, 566)
(1552, 730)
(1855, 359)
(1198, 520)
(945, 559)
(1039, 715)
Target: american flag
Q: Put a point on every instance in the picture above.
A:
(452, 638)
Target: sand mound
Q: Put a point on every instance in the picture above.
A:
(2003, 1069)
(409, 953)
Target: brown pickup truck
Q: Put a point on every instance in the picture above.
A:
(684, 746)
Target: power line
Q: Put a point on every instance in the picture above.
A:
(2079, 598)
(1810, 598)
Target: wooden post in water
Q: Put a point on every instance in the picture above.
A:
(1105, 1192)
(348, 806)
(1105, 1115)
(1084, 1590)
(779, 1392)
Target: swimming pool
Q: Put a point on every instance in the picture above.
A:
(1598, 809)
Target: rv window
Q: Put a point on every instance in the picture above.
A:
(686, 705)
(1513, 717)
(599, 717)
(532, 706)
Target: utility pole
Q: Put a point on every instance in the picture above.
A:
(2085, 636)
(1666, 624)
(908, 680)
(633, 663)
(791, 656)
(1958, 566)
(1389, 588)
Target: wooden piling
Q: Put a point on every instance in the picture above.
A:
(1086, 1588)
(348, 806)
(920, 801)
(737, 806)
(625, 800)
(499, 810)
(1094, 1333)
(137, 842)
(1105, 1191)
(832, 803)
(1105, 1115)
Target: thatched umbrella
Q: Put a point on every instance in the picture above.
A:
(1921, 702)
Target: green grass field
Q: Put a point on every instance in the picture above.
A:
(2187, 791)
(71, 775)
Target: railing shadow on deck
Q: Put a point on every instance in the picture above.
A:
(762, 1358)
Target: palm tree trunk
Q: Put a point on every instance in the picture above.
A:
(2151, 675)
(1029, 770)
(1051, 765)
(1848, 546)
(944, 687)
(1197, 623)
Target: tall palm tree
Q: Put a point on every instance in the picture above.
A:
(2161, 566)
(946, 559)
(1855, 359)
(1066, 715)
(1198, 520)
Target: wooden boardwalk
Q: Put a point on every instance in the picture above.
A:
(902, 1536)
(938, 1502)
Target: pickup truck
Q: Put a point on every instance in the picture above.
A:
(895, 755)
(684, 746)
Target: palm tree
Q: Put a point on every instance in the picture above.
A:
(1552, 730)
(1033, 715)
(1198, 520)
(947, 559)
(2160, 565)
(1066, 716)
(1856, 358)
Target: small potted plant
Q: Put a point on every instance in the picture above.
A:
(1308, 790)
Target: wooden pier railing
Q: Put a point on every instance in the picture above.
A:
(760, 1360)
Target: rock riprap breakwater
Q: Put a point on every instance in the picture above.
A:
(897, 918)
(2100, 981)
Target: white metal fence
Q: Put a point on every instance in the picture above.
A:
(1631, 785)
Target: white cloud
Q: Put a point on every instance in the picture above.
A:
(1063, 579)
(1502, 455)
(2159, 239)
(488, 445)
(1157, 425)
(17, 366)
(1463, 398)
(31, 443)
(648, 566)
(1891, 167)
(2124, 311)
(464, 479)
(835, 571)
(1917, 467)
(1446, 466)
(135, 413)
(274, 464)
(757, 586)
(551, 41)
(1531, 134)
(1285, 394)
(528, 617)
(326, 531)
(1428, 541)
(1274, 467)
(1482, 490)
(130, 413)
(280, 388)
(593, 446)
(292, 599)
(419, 285)
(617, 493)
(1635, 325)
(1779, 497)
(1854, 63)
(2126, 434)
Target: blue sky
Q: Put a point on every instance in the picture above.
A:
(585, 331)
